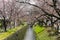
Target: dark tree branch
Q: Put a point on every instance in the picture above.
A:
(41, 9)
(55, 7)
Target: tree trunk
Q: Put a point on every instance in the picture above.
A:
(57, 30)
(4, 23)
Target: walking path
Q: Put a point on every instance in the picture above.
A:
(29, 34)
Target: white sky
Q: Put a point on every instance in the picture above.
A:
(32, 2)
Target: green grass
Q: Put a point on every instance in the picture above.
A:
(10, 32)
(0, 24)
(42, 34)
(38, 28)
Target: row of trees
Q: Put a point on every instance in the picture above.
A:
(10, 14)
(45, 12)
(48, 13)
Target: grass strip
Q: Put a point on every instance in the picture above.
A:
(10, 32)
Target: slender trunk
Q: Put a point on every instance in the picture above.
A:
(57, 30)
(4, 23)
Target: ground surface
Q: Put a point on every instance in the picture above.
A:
(29, 34)
(42, 34)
